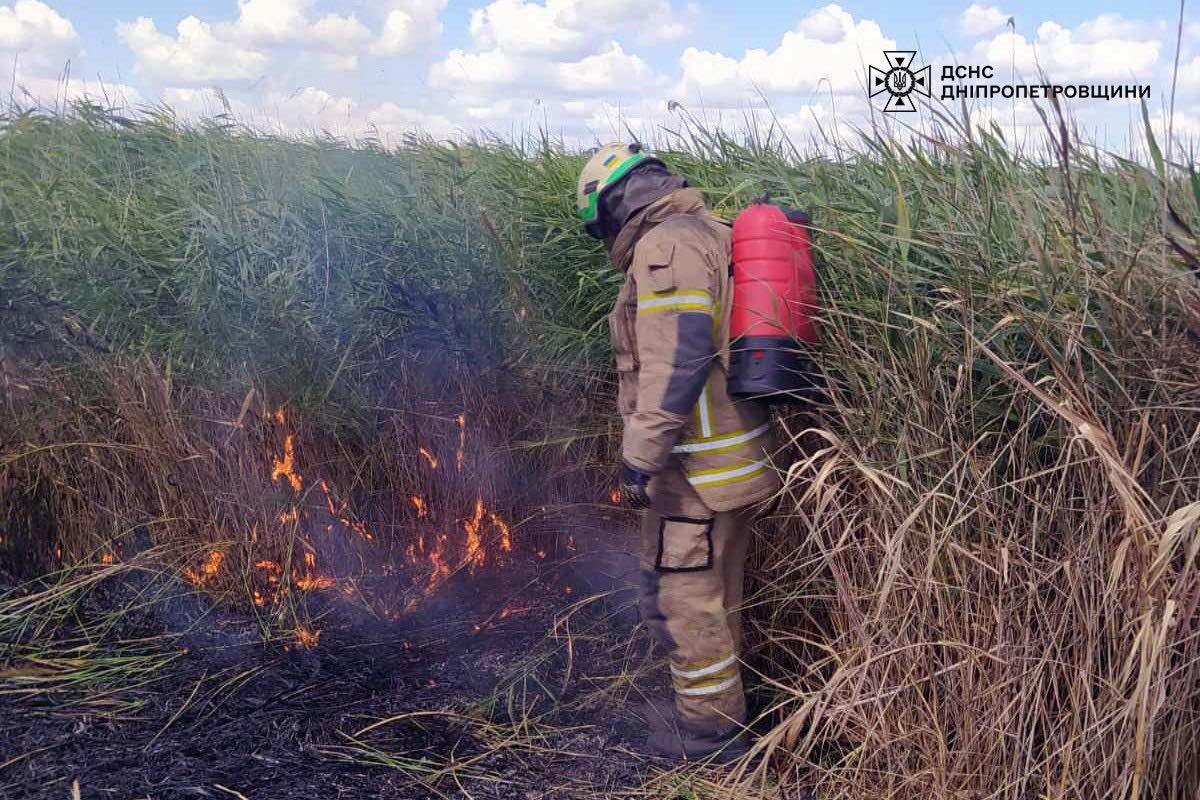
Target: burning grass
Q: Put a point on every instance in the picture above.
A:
(982, 579)
(260, 509)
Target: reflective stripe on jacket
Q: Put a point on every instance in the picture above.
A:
(670, 337)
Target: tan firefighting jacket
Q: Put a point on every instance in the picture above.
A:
(670, 334)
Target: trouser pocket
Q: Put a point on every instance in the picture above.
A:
(685, 544)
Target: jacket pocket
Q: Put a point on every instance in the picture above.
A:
(684, 545)
(660, 272)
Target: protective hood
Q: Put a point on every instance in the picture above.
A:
(679, 201)
(647, 183)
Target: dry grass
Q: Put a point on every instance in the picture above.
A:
(983, 579)
(252, 502)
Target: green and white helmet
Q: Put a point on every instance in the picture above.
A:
(605, 169)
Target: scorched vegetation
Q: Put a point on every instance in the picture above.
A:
(305, 448)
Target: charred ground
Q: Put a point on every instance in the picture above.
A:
(982, 578)
(500, 686)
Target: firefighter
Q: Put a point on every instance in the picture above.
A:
(694, 459)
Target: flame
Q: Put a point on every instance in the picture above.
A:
(286, 467)
(462, 441)
(504, 613)
(307, 637)
(505, 533)
(207, 569)
(359, 528)
(106, 558)
(475, 556)
(441, 569)
(273, 571)
(432, 558)
(567, 590)
(308, 583)
(615, 496)
(328, 498)
(419, 504)
(342, 512)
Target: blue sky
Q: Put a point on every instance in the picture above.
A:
(583, 69)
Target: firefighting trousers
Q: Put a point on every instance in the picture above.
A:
(692, 566)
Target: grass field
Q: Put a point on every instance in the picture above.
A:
(384, 374)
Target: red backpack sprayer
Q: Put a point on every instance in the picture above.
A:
(774, 304)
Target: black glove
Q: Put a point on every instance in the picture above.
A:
(633, 487)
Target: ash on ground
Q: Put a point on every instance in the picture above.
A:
(517, 683)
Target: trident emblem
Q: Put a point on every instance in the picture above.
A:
(899, 81)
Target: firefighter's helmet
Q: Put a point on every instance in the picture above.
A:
(605, 169)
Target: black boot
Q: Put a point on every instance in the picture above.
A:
(685, 745)
(671, 738)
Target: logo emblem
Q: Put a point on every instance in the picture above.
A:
(899, 81)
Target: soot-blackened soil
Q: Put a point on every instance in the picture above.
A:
(453, 700)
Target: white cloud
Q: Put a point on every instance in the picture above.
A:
(609, 70)
(271, 21)
(1111, 27)
(196, 54)
(392, 120)
(1018, 121)
(398, 34)
(55, 94)
(573, 27)
(191, 103)
(1189, 74)
(283, 22)
(978, 20)
(527, 58)
(461, 70)
(826, 49)
(264, 28)
(408, 25)
(338, 34)
(1093, 51)
(581, 71)
(29, 24)
(817, 126)
(36, 38)
(494, 71)
(308, 111)
(339, 62)
(523, 28)
(1185, 127)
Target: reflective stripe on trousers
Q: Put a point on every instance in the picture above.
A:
(708, 679)
(725, 475)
